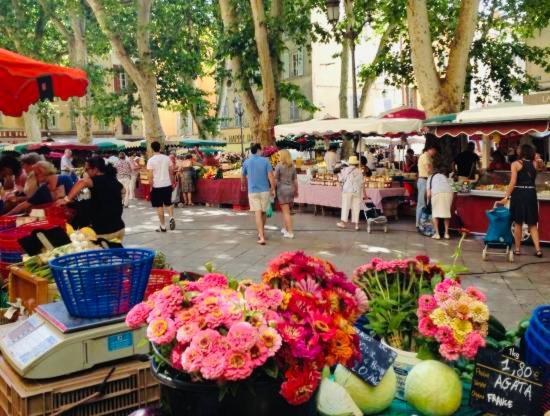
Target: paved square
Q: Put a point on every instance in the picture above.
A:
(228, 239)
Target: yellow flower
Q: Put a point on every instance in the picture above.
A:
(286, 299)
(439, 317)
(479, 312)
(461, 328)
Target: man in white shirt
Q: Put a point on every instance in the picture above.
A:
(161, 178)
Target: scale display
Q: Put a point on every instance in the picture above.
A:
(29, 340)
(51, 343)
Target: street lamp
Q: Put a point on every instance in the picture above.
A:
(333, 11)
(239, 112)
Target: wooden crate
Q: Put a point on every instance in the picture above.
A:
(32, 290)
(130, 387)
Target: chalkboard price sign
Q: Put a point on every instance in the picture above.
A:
(504, 385)
(375, 360)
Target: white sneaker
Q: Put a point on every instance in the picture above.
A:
(436, 237)
(283, 230)
(288, 235)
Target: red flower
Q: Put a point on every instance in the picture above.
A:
(423, 259)
(300, 385)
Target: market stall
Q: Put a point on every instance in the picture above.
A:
(512, 124)
(325, 191)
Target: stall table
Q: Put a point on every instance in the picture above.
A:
(471, 208)
(220, 191)
(331, 196)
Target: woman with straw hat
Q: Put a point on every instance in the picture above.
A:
(351, 179)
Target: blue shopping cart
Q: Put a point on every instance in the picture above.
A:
(499, 239)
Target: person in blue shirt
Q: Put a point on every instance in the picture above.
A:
(261, 186)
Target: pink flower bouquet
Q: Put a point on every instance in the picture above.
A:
(456, 318)
(317, 315)
(393, 289)
(212, 329)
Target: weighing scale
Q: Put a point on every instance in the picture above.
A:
(52, 343)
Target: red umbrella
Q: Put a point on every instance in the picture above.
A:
(24, 81)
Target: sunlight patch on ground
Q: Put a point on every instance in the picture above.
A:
(224, 257)
(326, 253)
(374, 249)
(224, 227)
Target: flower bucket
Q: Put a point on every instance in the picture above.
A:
(185, 398)
(403, 364)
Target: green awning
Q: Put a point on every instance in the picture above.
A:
(444, 118)
(109, 146)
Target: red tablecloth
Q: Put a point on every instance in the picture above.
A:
(220, 191)
(471, 210)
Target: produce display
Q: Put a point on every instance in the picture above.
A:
(433, 388)
(81, 240)
(369, 399)
(492, 187)
(334, 400)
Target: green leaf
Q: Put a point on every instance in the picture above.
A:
(271, 369)
(424, 353)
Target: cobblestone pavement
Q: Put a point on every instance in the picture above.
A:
(228, 239)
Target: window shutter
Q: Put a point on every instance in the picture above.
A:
(300, 69)
(286, 64)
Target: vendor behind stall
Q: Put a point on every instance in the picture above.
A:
(105, 204)
(467, 163)
(331, 157)
(51, 187)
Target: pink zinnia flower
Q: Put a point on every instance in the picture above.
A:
(138, 315)
(211, 280)
(186, 332)
(213, 366)
(259, 354)
(161, 331)
(271, 339)
(262, 297)
(443, 287)
(476, 293)
(449, 351)
(444, 334)
(427, 327)
(238, 365)
(242, 336)
(426, 303)
(191, 360)
(471, 345)
(205, 341)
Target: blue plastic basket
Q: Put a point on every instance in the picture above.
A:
(102, 283)
(537, 337)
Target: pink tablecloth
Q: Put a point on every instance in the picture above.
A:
(331, 196)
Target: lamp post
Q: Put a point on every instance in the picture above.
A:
(333, 13)
(239, 112)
